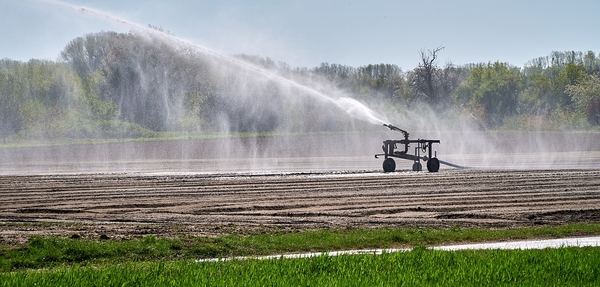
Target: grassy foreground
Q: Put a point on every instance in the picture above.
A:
(56, 261)
(49, 252)
(420, 267)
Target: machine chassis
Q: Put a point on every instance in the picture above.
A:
(423, 145)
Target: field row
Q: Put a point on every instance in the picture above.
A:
(498, 198)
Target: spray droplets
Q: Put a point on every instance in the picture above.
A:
(351, 106)
(359, 111)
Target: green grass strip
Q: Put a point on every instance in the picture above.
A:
(50, 252)
(420, 267)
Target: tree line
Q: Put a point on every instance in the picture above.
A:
(111, 84)
(558, 91)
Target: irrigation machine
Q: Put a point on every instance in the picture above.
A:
(390, 150)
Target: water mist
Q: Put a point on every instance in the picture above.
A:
(296, 142)
(461, 142)
(351, 106)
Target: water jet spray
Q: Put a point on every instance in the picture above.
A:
(350, 106)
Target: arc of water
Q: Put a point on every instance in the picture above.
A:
(349, 105)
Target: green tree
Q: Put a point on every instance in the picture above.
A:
(380, 81)
(11, 98)
(492, 91)
(536, 96)
(569, 74)
(546, 80)
(591, 63)
(586, 97)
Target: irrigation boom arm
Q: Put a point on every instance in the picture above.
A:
(394, 128)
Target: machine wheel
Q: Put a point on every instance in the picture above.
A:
(433, 164)
(389, 165)
(417, 166)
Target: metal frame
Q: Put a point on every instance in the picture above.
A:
(389, 150)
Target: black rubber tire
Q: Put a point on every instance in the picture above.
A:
(389, 165)
(417, 166)
(433, 164)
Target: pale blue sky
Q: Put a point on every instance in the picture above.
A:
(308, 32)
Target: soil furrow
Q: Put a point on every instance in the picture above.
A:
(127, 203)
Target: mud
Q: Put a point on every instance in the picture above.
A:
(130, 205)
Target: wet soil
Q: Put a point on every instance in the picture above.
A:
(133, 205)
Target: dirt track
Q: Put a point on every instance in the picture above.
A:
(126, 205)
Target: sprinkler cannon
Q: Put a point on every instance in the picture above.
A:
(426, 146)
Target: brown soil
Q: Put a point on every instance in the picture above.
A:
(133, 205)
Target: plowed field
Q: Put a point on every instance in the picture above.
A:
(127, 205)
(249, 185)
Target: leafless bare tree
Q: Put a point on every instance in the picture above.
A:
(424, 82)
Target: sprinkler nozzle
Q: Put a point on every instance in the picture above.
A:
(394, 128)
